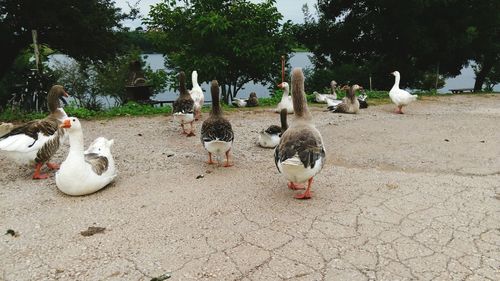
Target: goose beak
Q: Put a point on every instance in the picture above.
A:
(66, 124)
(65, 94)
(280, 85)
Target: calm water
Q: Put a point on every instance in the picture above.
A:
(464, 80)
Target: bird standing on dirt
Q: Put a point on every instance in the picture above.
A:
(398, 96)
(183, 107)
(300, 154)
(216, 132)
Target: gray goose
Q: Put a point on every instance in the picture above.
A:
(37, 141)
(270, 137)
(252, 100)
(216, 132)
(183, 107)
(300, 154)
(349, 104)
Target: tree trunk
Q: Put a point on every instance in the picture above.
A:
(485, 70)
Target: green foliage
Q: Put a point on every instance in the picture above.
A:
(234, 42)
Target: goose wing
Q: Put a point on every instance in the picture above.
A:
(98, 162)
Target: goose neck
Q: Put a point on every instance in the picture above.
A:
(76, 142)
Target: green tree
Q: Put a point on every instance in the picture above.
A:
(415, 37)
(233, 41)
(80, 29)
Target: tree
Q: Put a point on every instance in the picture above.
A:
(81, 29)
(233, 41)
(414, 37)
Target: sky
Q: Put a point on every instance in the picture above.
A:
(290, 9)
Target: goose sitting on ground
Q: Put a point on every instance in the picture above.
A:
(197, 95)
(85, 172)
(5, 128)
(332, 96)
(37, 141)
(239, 102)
(362, 99)
(216, 132)
(270, 137)
(286, 99)
(183, 107)
(398, 96)
(349, 104)
(252, 100)
(300, 154)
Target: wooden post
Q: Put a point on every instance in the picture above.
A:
(37, 52)
(370, 82)
(282, 69)
(437, 77)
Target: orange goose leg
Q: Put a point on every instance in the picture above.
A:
(210, 158)
(53, 166)
(400, 109)
(37, 175)
(191, 133)
(295, 186)
(227, 159)
(183, 129)
(307, 194)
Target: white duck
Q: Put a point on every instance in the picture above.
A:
(398, 96)
(320, 98)
(300, 154)
(270, 137)
(38, 140)
(197, 95)
(85, 172)
(286, 99)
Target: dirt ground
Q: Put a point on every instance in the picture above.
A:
(401, 197)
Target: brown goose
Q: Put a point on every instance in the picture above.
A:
(300, 154)
(349, 104)
(252, 100)
(183, 107)
(216, 132)
(37, 141)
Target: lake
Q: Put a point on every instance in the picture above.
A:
(300, 59)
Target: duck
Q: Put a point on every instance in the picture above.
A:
(85, 172)
(349, 104)
(398, 96)
(286, 99)
(197, 95)
(321, 98)
(216, 132)
(5, 128)
(183, 106)
(270, 137)
(252, 101)
(362, 99)
(300, 154)
(38, 140)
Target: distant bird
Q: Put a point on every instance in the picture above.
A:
(270, 137)
(252, 100)
(349, 104)
(216, 132)
(320, 98)
(239, 102)
(300, 154)
(183, 107)
(362, 99)
(197, 95)
(37, 141)
(286, 99)
(85, 172)
(398, 96)
(5, 128)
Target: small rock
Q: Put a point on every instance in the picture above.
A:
(200, 176)
(12, 233)
(208, 171)
(162, 277)
(391, 186)
(140, 135)
(446, 140)
(92, 230)
(169, 153)
(482, 141)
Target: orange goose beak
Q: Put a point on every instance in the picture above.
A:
(280, 85)
(66, 124)
(65, 94)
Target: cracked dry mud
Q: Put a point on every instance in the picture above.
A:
(395, 201)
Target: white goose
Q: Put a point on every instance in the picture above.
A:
(197, 95)
(286, 99)
(239, 102)
(300, 154)
(398, 96)
(85, 172)
(270, 137)
(320, 98)
(37, 141)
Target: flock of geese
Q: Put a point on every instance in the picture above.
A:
(299, 152)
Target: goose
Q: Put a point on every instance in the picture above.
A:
(183, 107)
(85, 172)
(398, 96)
(362, 99)
(197, 95)
(270, 137)
(286, 99)
(320, 98)
(239, 102)
(350, 103)
(252, 100)
(300, 154)
(38, 140)
(5, 128)
(216, 132)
